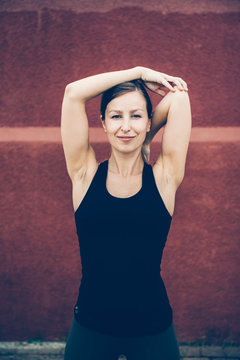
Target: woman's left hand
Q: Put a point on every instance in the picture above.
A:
(158, 88)
(156, 81)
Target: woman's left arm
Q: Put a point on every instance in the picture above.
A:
(174, 111)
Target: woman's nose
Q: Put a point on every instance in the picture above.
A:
(126, 124)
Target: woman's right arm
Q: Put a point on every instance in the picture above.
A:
(74, 122)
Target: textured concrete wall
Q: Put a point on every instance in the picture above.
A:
(42, 51)
(46, 45)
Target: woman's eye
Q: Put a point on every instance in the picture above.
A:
(118, 116)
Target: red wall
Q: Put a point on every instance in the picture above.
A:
(43, 49)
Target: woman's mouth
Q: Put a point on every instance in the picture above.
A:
(126, 138)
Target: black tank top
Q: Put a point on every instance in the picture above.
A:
(121, 245)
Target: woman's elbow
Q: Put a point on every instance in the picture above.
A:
(73, 92)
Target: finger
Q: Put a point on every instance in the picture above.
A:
(166, 83)
(178, 83)
(184, 84)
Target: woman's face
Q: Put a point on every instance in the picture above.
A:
(126, 121)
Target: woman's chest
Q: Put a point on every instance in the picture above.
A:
(123, 187)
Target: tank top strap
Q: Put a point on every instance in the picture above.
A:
(150, 188)
(103, 170)
(148, 178)
(101, 175)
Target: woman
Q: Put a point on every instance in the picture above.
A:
(123, 211)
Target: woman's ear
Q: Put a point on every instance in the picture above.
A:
(103, 123)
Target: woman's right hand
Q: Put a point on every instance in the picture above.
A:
(156, 81)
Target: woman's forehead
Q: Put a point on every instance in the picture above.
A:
(132, 100)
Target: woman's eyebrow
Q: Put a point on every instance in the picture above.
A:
(119, 111)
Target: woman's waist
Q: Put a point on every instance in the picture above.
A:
(140, 292)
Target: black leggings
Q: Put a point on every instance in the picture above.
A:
(86, 344)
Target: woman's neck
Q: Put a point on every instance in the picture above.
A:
(125, 165)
